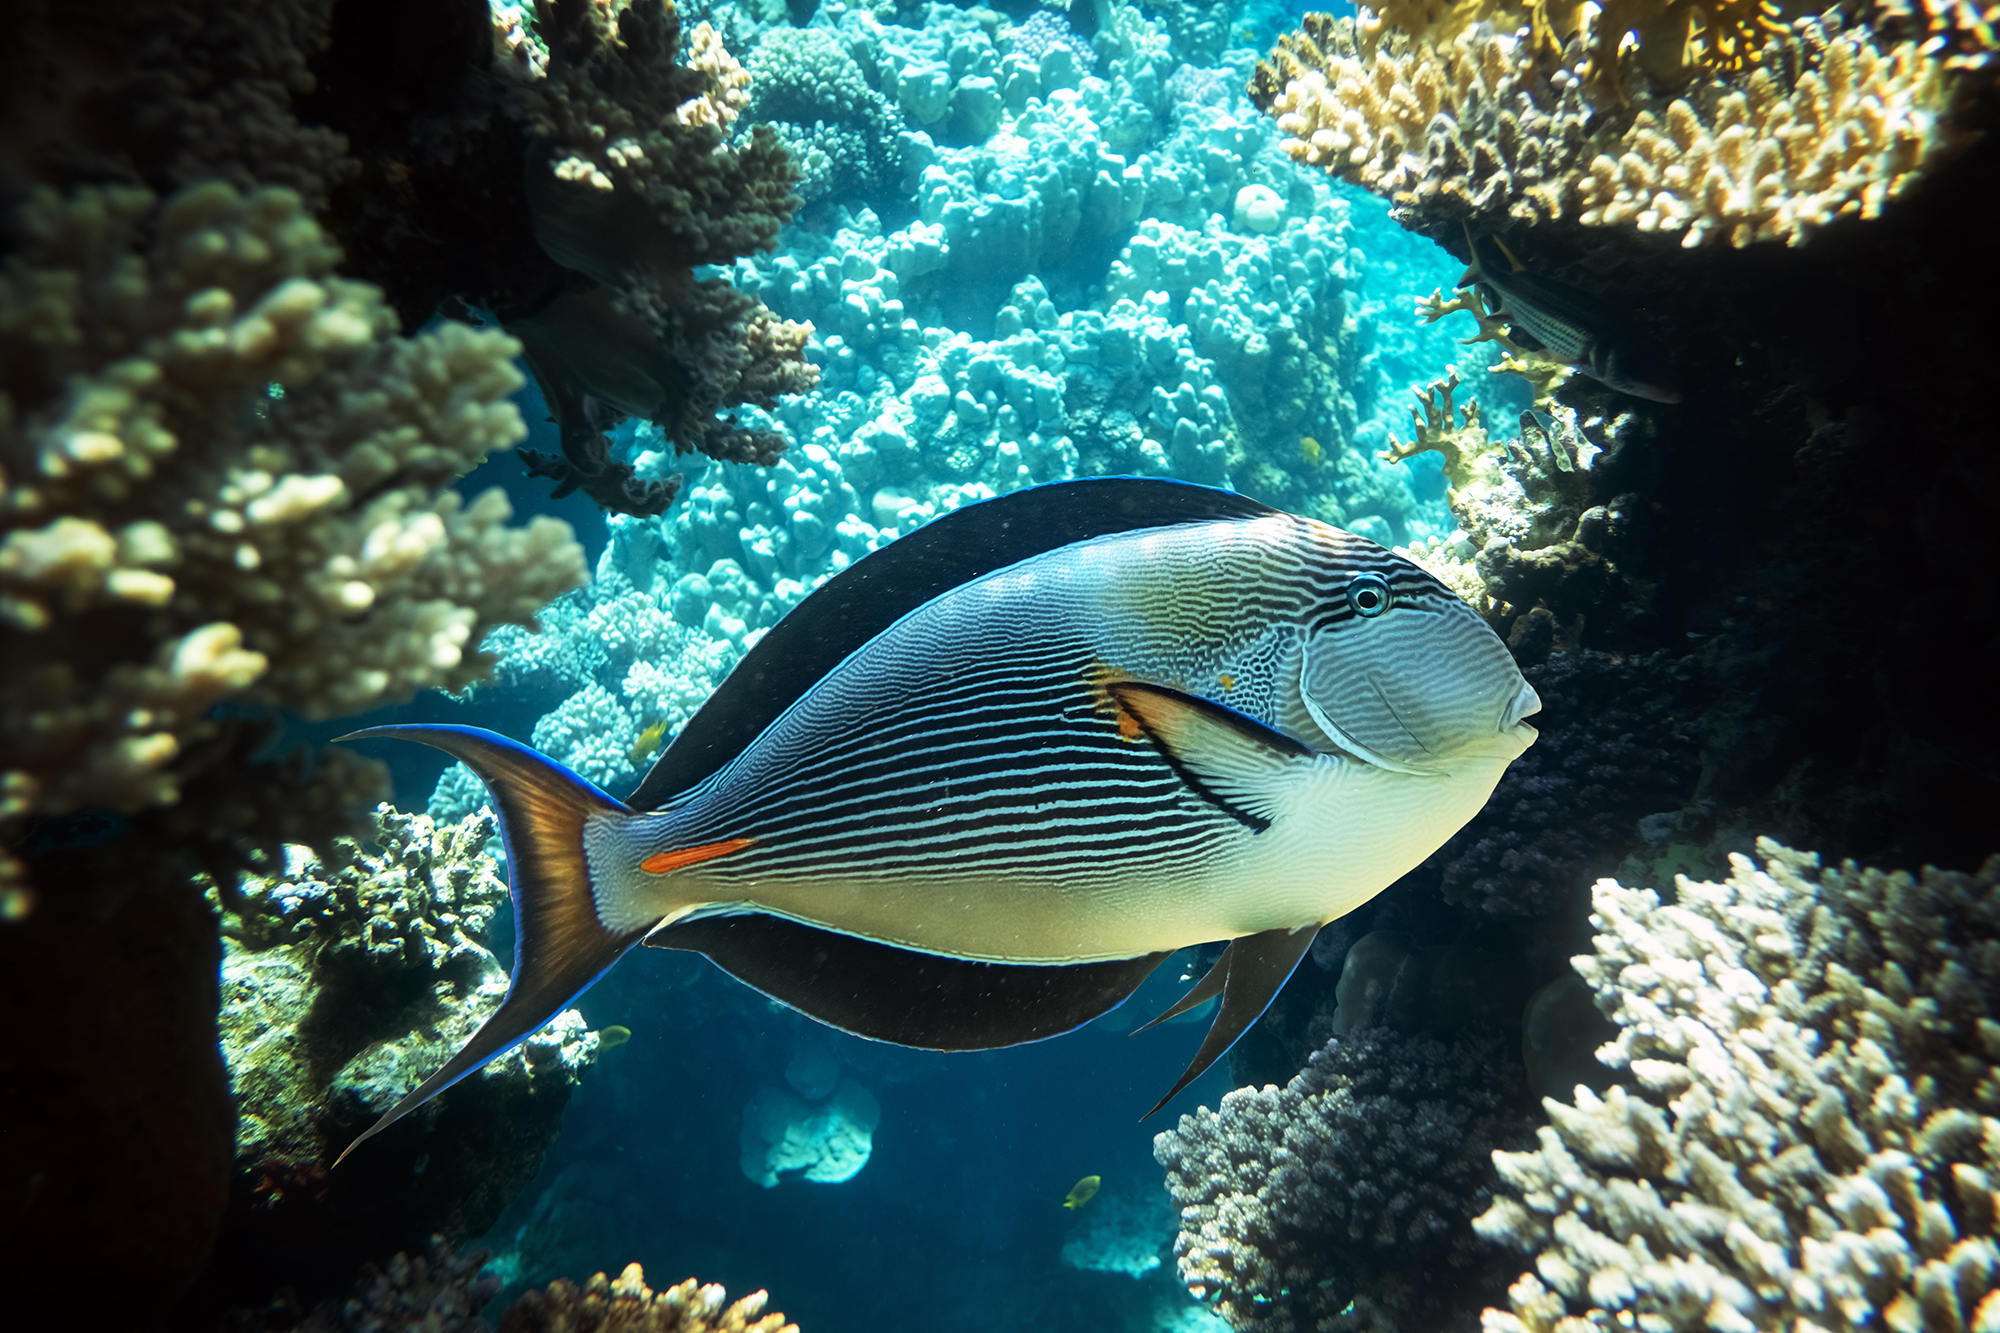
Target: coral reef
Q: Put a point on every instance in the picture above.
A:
(445, 1293)
(1829, 124)
(829, 1137)
(807, 87)
(1617, 760)
(628, 1305)
(439, 1294)
(1345, 1199)
(224, 480)
(346, 979)
(634, 181)
(1812, 1133)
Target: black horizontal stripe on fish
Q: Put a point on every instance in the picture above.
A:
(867, 597)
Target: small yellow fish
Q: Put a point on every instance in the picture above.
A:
(649, 740)
(1309, 451)
(613, 1037)
(1081, 1193)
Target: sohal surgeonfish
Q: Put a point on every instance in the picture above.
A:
(976, 787)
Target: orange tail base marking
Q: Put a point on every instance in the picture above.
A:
(659, 863)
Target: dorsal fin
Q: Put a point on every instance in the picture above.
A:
(875, 592)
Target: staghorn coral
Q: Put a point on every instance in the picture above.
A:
(1831, 124)
(633, 181)
(628, 1305)
(1344, 1200)
(1812, 1138)
(1441, 427)
(223, 480)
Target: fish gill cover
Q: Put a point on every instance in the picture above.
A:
(1029, 245)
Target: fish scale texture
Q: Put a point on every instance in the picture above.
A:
(1811, 1139)
(1344, 1200)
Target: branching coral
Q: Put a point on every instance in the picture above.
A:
(223, 479)
(1439, 427)
(1830, 124)
(628, 1305)
(1813, 1138)
(1344, 1200)
(633, 180)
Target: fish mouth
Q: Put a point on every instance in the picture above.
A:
(1525, 703)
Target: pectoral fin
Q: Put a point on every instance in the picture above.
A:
(1248, 976)
(1234, 762)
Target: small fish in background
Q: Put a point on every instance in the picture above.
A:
(1081, 1193)
(1309, 451)
(978, 785)
(649, 741)
(611, 1038)
(1570, 325)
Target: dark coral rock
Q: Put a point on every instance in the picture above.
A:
(1617, 744)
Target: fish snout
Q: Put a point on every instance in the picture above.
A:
(1525, 704)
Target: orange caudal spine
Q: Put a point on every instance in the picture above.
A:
(660, 863)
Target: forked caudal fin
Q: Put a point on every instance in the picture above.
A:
(559, 946)
(1248, 977)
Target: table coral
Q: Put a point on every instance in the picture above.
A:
(226, 477)
(1830, 124)
(1344, 1200)
(1812, 1134)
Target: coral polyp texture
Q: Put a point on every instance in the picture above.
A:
(634, 179)
(1811, 1135)
(627, 1305)
(1345, 1199)
(346, 979)
(226, 478)
(1826, 124)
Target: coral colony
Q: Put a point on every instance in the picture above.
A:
(788, 282)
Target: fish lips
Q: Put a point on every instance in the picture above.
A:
(1512, 735)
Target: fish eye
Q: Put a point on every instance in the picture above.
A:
(1368, 595)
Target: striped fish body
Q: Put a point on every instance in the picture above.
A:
(968, 783)
(975, 788)
(1570, 325)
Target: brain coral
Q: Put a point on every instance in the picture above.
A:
(1812, 1135)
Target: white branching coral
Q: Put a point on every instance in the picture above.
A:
(224, 476)
(1830, 124)
(1813, 1141)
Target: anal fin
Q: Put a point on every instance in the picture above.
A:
(1248, 976)
(887, 993)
